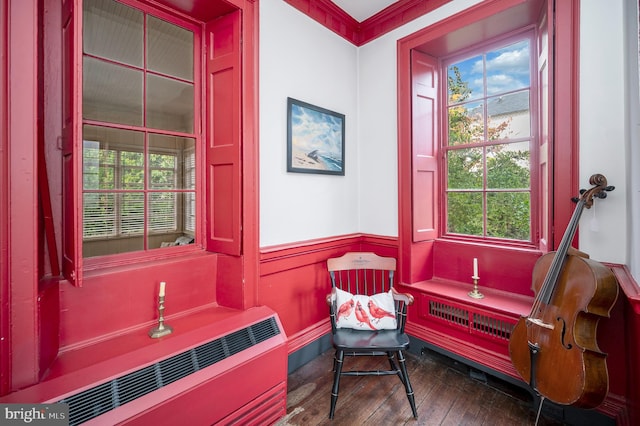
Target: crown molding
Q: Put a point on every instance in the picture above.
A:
(337, 20)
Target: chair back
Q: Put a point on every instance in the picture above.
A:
(362, 273)
(367, 274)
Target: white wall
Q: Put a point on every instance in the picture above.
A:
(603, 132)
(378, 105)
(632, 48)
(322, 68)
(300, 58)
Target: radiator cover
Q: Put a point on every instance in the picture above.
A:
(219, 366)
(107, 396)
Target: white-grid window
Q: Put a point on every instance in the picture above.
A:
(139, 139)
(489, 140)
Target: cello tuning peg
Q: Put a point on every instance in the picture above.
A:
(610, 188)
(582, 191)
(575, 199)
(601, 195)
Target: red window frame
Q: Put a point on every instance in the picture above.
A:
(558, 39)
(219, 182)
(127, 257)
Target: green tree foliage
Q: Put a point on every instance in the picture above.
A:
(107, 213)
(503, 167)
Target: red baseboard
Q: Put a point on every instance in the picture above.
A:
(308, 335)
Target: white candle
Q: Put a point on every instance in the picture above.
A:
(475, 267)
(162, 284)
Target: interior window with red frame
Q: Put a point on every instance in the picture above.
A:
(139, 135)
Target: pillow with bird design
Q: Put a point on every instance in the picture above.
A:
(361, 312)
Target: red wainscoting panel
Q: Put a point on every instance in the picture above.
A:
(623, 331)
(504, 269)
(119, 299)
(294, 281)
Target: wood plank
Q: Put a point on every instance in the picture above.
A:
(445, 394)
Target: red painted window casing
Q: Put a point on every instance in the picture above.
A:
(416, 257)
(219, 190)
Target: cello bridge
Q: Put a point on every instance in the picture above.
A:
(539, 323)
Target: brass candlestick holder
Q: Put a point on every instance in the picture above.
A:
(161, 329)
(475, 293)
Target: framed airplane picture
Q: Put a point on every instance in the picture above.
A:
(315, 139)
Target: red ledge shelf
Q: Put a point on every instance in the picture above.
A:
(500, 301)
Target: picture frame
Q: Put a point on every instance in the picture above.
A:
(315, 139)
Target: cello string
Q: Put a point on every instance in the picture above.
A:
(548, 285)
(558, 261)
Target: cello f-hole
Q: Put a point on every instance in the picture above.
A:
(562, 334)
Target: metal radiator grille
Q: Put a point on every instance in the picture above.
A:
(474, 322)
(448, 313)
(105, 397)
(492, 326)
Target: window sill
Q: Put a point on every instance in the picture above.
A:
(499, 301)
(97, 265)
(490, 242)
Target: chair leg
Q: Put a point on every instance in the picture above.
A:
(407, 383)
(390, 356)
(394, 365)
(337, 363)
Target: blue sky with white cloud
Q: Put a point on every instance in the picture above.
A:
(507, 69)
(316, 130)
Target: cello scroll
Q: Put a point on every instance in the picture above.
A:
(599, 190)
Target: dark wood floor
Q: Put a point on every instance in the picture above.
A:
(446, 392)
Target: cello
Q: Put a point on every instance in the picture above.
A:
(554, 349)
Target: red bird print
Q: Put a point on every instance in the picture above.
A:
(345, 309)
(377, 312)
(362, 316)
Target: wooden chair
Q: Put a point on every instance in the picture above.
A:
(362, 293)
